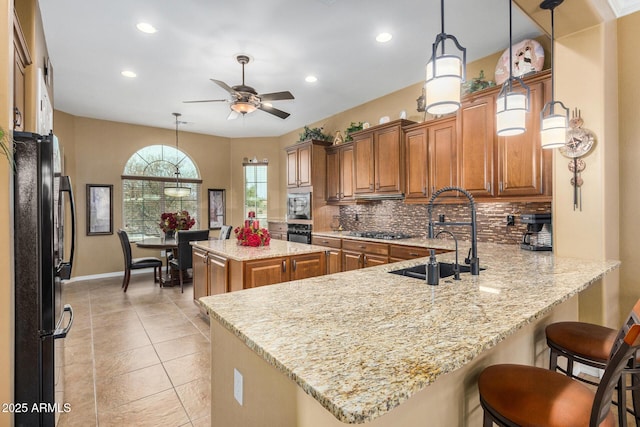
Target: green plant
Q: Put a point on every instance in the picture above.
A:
(314, 133)
(477, 83)
(353, 127)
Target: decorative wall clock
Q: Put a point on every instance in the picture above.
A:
(579, 142)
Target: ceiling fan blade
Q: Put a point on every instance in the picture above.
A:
(206, 100)
(276, 96)
(224, 86)
(233, 115)
(274, 111)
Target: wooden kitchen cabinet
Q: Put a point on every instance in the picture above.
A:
(307, 265)
(333, 254)
(402, 252)
(278, 230)
(379, 159)
(431, 159)
(340, 174)
(22, 59)
(306, 164)
(361, 254)
(270, 271)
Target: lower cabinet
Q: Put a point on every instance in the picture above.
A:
(403, 253)
(361, 254)
(333, 253)
(283, 269)
(218, 274)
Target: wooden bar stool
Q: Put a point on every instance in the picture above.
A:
(518, 395)
(591, 345)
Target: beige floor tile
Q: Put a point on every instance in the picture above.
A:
(78, 335)
(160, 334)
(114, 318)
(202, 422)
(120, 342)
(104, 305)
(196, 398)
(114, 364)
(79, 415)
(163, 308)
(164, 320)
(79, 352)
(182, 346)
(116, 391)
(161, 409)
(130, 326)
(188, 368)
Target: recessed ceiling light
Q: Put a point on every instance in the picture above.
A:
(383, 37)
(128, 73)
(311, 79)
(146, 27)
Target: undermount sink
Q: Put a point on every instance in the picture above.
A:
(420, 271)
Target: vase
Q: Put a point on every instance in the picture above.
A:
(170, 235)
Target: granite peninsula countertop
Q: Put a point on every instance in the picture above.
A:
(362, 342)
(277, 248)
(444, 243)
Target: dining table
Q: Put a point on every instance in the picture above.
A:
(168, 245)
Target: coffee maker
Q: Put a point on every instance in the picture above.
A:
(538, 234)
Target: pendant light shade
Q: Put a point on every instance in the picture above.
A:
(178, 190)
(553, 125)
(445, 74)
(512, 104)
(243, 107)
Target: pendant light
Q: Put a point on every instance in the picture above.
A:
(553, 126)
(445, 74)
(178, 190)
(512, 104)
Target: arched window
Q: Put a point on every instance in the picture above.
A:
(145, 176)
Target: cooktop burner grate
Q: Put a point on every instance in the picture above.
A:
(383, 235)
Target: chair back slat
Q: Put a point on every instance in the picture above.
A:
(185, 254)
(126, 248)
(625, 349)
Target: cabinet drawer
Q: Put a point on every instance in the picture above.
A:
(407, 252)
(277, 227)
(366, 247)
(331, 242)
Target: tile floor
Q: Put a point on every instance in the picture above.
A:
(140, 358)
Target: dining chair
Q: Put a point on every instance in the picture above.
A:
(136, 263)
(225, 232)
(591, 345)
(183, 259)
(519, 395)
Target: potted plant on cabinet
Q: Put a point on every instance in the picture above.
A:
(353, 127)
(314, 133)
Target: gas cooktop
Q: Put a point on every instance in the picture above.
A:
(384, 235)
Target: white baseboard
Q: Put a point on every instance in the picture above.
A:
(579, 368)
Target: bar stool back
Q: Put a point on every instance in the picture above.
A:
(518, 395)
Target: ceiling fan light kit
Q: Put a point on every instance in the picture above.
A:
(445, 74)
(553, 126)
(246, 100)
(512, 103)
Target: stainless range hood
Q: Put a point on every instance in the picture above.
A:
(379, 196)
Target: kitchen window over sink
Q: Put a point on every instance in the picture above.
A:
(145, 175)
(255, 190)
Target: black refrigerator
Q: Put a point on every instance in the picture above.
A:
(42, 197)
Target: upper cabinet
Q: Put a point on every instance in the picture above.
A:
(306, 165)
(379, 159)
(22, 59)
(340, 174)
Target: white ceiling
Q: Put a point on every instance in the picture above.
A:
(91, 42)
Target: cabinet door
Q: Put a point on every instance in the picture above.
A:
(416, 164)
(520, 162)
(346, 174)
(218, 275)
(351, 260)
(443, 159)
(476, 138)
(369, 260)
(292, 168)
(265, 272)
(308, 265)
(199, 274)
(363, 159)
(334, 261)
(304, 165)
(333, 175)
(388, 153)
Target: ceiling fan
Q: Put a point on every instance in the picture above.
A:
(245, 99)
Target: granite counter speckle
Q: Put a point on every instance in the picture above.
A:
(276, 248)
(363, 342)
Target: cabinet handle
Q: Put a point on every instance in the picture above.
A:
(488, 187)
(360, 263)
(364, 260)
(501, 186)
(17, 119)
(412, 254)
(293, 265)
(325, 241)
(362, 246)
(284, 265)
(424, 191)
(433, 189)
(370, 186)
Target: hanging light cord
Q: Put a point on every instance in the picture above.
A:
(553, 70)
(510, 46)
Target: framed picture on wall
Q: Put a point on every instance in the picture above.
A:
(217, 208)
(99, 209)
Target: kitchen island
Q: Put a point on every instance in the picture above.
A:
(373, 348)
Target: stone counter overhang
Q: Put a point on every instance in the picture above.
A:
(276, 248)
(363, 342)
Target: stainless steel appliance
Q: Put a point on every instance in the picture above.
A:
(538, 235)
(299, 206)
(41, 194)
(300, 233)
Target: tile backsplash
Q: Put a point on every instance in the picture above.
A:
(395, 215)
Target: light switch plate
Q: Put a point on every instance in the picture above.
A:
(237, 386)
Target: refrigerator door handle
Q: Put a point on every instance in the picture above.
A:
(64, 268)
(62, 333)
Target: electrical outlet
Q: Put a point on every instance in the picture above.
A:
(237, 386)
(511, 220)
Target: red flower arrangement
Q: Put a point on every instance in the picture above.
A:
(252, 235)
(172, 221)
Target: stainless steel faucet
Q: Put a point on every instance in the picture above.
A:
(472, 259)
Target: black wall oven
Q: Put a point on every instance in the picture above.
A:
(299, 233)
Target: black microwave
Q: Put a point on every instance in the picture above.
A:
(299, 206)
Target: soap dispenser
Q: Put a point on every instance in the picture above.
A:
(433, 269)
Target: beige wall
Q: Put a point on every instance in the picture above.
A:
(629, 128)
